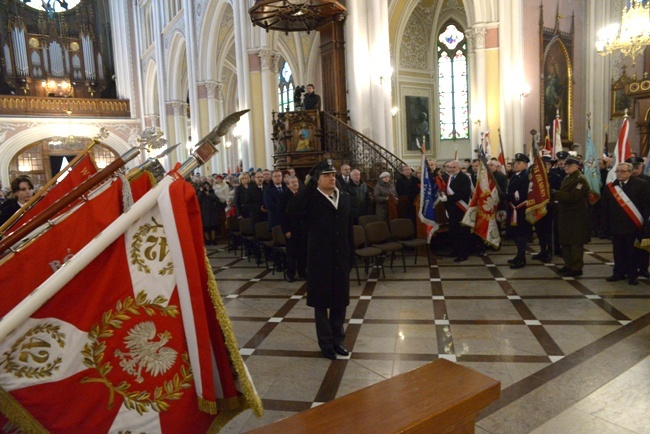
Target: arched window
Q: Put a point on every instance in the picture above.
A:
(285, 88)
(452, 83)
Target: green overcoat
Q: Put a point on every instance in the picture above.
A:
(573, 204)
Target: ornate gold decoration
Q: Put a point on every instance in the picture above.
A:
(94, 356)
(31, 350)
(149, 252)
(74, 46)
(632, 36)
(33, 42)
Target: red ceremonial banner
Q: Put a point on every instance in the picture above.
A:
(539, 193)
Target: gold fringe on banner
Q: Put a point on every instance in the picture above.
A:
(18, 416)
(252, 399)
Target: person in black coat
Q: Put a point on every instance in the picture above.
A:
(555, 177)
(327, 214)
(620, 225)
(407, 187)
(516, 194)
(240, 196)
(254, 200)
(311, 101)
(272, 195)
(642, 255)
(294, 232)
(457, 197)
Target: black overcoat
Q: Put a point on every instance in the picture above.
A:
(330, 247)
(616, 220)
(516, 194)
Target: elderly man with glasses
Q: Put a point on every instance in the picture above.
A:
(626, 204)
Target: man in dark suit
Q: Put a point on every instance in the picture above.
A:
(516, 194)
(407, 189)
(254, 200)
(272, 195)
(294, 232)
(456, 197)
(327, 213)
(311, 101)
(626, 205)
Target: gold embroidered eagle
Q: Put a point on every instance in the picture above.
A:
(145, 353)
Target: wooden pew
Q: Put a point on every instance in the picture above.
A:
(440, 397)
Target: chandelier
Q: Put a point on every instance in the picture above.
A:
(632, 36)
(295, 15)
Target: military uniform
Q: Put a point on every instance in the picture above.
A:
(518, 228)
(573, 219)
(555, 177)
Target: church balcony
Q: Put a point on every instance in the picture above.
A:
(14, 105)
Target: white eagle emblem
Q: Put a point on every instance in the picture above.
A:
(145, 353)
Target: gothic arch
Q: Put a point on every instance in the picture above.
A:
(151, 106)
(209, 38)
(177, 80)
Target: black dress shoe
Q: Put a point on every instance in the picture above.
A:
(564, 269)
(340, 349)
(573, 273)
(615, 278)
(290, 279)
(460, 259)
(512, 261)
(518, 264)
(329, 354)
(633, 281)
(538, 256)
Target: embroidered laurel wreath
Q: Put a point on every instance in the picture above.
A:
(136, 247)
(93, 353)
(28, 347)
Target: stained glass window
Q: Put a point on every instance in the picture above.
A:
(285, 88)
(452, 84)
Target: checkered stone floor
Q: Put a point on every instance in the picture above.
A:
(524, 327)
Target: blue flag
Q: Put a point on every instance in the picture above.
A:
(428, 200)
(592, 171)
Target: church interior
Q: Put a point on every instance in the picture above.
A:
(396, 78)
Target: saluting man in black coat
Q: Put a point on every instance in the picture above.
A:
(516, 195)
(327, 213)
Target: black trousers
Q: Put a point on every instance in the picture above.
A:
(625, 263)
(329, 326)
(573, 256)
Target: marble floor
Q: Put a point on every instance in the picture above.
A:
(572, 355)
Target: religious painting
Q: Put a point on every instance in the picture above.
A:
(620, 101)
(557, 87)
(417, 122)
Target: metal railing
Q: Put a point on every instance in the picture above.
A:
(360, 152)
(15, 105)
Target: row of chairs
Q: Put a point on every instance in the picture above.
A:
(373, 241)
(256, 240)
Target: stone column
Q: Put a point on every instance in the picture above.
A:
(269, 60)
(215, 114)
(478, 83)
(180, 129)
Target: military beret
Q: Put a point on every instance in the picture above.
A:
(562, 155)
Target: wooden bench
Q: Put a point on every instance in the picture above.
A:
(440, 397)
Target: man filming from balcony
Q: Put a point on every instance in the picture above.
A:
(311, 101)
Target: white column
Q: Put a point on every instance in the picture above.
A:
(180, 128)
(122, 47)
(215, 114)
(357, 61)
(268, 59)
(511, 72)
(158, 24)
(192, 60)
(479, 91)
(242, 29)
(598, 71)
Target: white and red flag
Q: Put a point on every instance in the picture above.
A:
(137, 341)
(482, 211)
(622, 150)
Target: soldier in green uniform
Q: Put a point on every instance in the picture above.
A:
(573, 218)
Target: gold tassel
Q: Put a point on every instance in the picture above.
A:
(18, 416)
(253, 400)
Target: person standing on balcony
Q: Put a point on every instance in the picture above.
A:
(311, 101)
